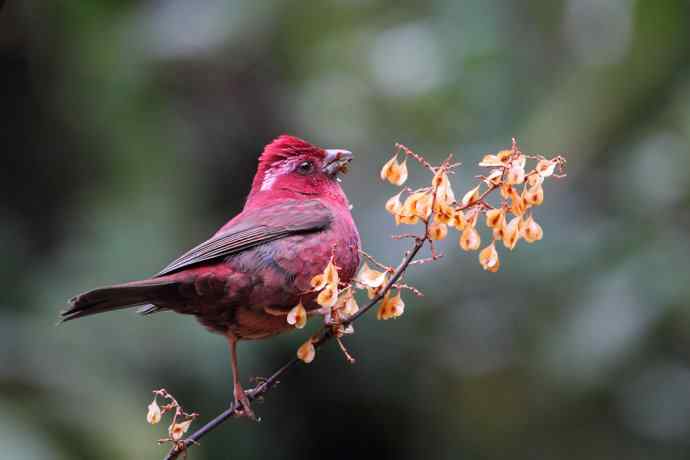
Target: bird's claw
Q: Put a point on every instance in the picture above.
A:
(242, 406)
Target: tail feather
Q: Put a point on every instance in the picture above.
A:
(116, 297)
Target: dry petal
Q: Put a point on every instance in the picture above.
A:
(470, 239)
(390, 164)
(330, 275)
(495, 217)
(154, 414)
(445, 194)
(423, 206)
(520, 161)
(508, 191)
(471, 217)
(532, 231)
(519, 205)
(535, 195)
(515, 174)
(318, 282)
(306, 352)
(440, 179)
(177, 430)
(488, 258)
(382, 312)
(494, 178)
(297, 316)
(391, 307)
(406, 219)
(393, 205)
(444, 213)
(491, 161)
(458, 220)
(511, 233)
(471, 196)
(534, 179)
(410, 206)
(370, 277)
(504, 155)
(396, 306)
(499, 231)
(438, 231)
(351, 306)
(395, 173)
(328, 297)
(545, 168)
(402, 174)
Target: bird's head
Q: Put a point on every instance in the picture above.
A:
(290, 166)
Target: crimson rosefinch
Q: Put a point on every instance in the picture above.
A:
(244, 280)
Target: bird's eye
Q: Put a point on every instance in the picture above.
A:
(305, 168)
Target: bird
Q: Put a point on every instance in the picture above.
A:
(242, 282)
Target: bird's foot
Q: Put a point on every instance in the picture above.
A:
(242, 405)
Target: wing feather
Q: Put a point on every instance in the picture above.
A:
(254, 228)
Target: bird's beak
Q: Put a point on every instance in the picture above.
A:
(336, 161)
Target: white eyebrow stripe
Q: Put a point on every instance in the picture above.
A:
(274, 172)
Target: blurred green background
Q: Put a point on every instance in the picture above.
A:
(130, 131)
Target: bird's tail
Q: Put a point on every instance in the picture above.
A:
(118, 297)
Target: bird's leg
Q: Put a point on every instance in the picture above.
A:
(240, 397)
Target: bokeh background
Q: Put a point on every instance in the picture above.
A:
(130, 130)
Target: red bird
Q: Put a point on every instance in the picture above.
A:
(244, 280)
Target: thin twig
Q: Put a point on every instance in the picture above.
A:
(416, 156)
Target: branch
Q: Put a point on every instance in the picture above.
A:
(325, 335)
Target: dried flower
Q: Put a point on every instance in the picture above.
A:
(545, 168)
(369, 277)
(515, 174)
(458, 220)
(390, 164)
(318, 282)
(444, 212)
(534, 195)
(391, 307)
(418, 204)
(177, 430)
(534, 179)
(328, 297)
(440, 179)
(511, 233)
(518, 206)
(394, 172)
(504, 155)
(532, 231)
(403, 174)
(491, 161)
(495, 217)
(406, 219)
(444, 191)
(488, 258)
(470, 239)
(471, 196)
(306, 352)
(154, 414)
(350, 307)
(297, 316)
(393, 205)
(494, 178)
(330, 274)
(438, 231)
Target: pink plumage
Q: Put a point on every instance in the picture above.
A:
(243, 280)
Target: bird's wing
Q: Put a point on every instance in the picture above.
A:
(256, 227)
